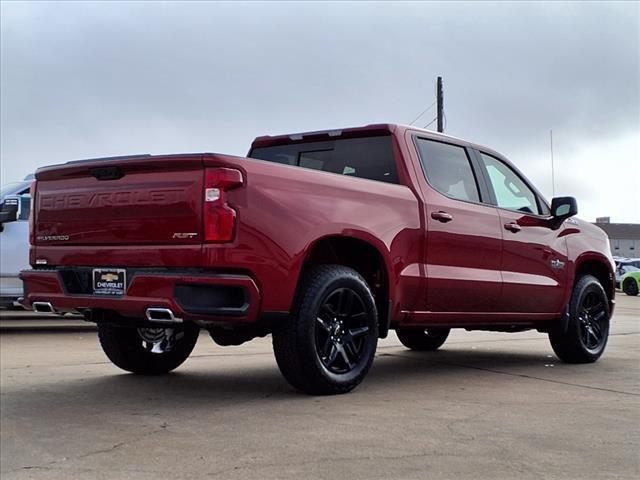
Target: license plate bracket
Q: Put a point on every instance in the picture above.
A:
(109, 281)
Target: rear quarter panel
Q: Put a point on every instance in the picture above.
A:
(283, 211)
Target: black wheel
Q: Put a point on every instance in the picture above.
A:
(328, 344)
(630, 287)
(147, 351)
(424, 340)
(588, 327)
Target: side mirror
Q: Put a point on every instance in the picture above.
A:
(10, 209)
(563, 208)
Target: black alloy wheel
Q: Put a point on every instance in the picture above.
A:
(149, 350)
(329, 341)
(584, 336)
(593, 321)
(421, 339)
(341, 330)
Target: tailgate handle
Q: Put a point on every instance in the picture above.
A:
(107, 173)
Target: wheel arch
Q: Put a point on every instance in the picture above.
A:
(601, 269)
(366, 257)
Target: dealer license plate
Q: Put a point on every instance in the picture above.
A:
(109, 281)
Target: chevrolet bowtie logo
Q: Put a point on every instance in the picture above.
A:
(109, 277)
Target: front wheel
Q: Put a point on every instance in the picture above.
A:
(630, 287)
(147, 351)
(328, 344)
(423, 340)
(587, 329)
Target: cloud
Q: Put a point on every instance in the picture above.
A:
(85, 79)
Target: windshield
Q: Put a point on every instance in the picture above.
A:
(13, 188)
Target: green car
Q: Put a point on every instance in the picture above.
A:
(630, 283)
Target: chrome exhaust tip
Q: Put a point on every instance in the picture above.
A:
(42, 307)
(161, 315)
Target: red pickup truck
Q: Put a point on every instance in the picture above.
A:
(326, 240)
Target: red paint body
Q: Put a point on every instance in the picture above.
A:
(469, 271)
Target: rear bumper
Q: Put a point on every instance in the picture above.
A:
(219, 298)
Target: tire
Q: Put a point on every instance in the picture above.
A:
(422, 340)
(585, 337)
(630, 287)
(328, 343)
(148, 351)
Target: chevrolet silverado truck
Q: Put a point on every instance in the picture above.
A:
(325, 240)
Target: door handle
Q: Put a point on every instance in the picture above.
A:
(513, 227)
(443, 217)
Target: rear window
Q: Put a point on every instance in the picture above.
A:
(368, 157)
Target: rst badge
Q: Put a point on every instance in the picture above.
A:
(109, 281)
(185, 235)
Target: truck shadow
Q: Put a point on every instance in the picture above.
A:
(212, 386)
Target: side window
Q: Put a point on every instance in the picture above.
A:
(448, 169)
(511, 192)
(25, 205)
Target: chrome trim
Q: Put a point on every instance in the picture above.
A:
(166, 315)
(42, 307)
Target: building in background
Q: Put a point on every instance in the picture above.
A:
(624, 238)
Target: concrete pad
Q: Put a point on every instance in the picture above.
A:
(488, 405)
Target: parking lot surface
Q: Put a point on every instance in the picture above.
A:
(488, 405)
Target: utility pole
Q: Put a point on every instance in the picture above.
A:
(553, 173)
(440, 105)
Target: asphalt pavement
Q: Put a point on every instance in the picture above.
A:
(488, 405)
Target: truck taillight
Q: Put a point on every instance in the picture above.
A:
(32, 211)
(219, 218)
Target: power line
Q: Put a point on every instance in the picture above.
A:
(423, 112)
(430, 122)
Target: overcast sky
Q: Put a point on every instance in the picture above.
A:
(83, 80)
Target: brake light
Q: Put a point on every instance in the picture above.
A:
(32, 211)
(219, 218)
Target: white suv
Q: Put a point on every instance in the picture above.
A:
(15, 204)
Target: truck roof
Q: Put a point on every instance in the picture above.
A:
(351, 132)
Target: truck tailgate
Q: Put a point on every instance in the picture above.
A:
(129, 201)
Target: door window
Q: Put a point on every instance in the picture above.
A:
(510, 190)
(448, 169)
